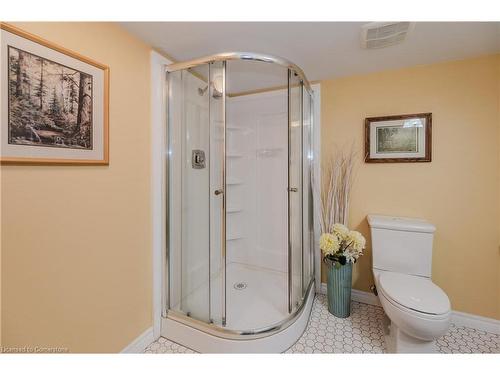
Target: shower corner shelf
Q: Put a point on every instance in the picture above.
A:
(237, 128)
(234, 237)
(234, 181)
(269, 152)
(234, 155)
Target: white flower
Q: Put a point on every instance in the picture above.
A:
(352, 255)
(329, 244)
(341, 231)
(356, 240)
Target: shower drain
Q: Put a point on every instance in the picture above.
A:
(240, 285)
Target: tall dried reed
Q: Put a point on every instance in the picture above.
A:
(333, 200)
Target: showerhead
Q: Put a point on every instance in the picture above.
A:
(217, 83)
(216, 94)
(201, 91)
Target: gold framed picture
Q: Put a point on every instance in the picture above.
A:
(398, 139)
(54, 103)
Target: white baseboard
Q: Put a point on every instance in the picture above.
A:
(359, 296)
(475, 321)
(457, 317)
(141, 342)
(365, 297)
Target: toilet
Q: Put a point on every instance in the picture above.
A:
(418, 311)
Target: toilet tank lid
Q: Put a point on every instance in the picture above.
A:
(400, 223)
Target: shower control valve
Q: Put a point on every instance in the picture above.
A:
(198, 159)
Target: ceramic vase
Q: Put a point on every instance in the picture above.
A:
(339, 290)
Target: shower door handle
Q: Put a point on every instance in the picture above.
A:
(219, 192)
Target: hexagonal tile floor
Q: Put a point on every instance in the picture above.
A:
(360, 333)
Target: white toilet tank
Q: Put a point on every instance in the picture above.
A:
(402, 244)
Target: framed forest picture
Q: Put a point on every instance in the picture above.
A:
(54, 103)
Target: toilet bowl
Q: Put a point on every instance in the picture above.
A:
(418, 311)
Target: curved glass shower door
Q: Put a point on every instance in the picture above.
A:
(257, 181)
(196, 202)
(239, 252)
(295, 189)
(307, 198)
(217, 193)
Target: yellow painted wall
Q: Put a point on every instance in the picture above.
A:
(458, 191)
(76, 246)
(499, 186)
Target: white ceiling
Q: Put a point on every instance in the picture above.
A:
(322, 49)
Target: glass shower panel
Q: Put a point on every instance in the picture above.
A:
(217, 97)
(257, 198)
(295, 180)
(189, 192)
(174, 170)
(307, 189)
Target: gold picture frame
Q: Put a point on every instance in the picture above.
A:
(61, 140)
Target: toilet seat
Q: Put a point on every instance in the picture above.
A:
(415, 293)
(426, 327)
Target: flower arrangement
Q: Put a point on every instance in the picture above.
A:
(342, 245)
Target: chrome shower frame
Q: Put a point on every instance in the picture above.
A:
(211, 328)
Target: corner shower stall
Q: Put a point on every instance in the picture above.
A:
(239, 268)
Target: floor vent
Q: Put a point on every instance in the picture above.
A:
(384, 34)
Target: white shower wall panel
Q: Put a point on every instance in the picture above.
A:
(257, 177)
